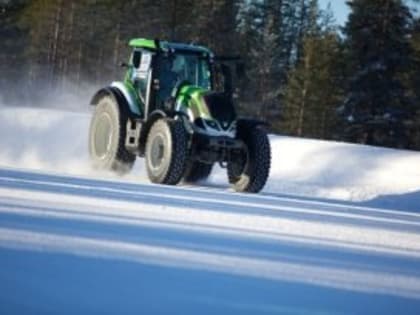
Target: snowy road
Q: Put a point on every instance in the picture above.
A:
(74, 241)
(78, 245)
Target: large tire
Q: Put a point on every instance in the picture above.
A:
(197, 171)
(250, 171)
(107, 138)
(166, 152)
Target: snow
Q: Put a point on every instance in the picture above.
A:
(344, 171)
(56, 141)
(335, 231)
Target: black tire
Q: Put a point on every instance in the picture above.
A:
(166, 152)
(107, 138)
(197, 171)
(250, 171)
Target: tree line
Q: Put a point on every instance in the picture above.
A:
(304, 74)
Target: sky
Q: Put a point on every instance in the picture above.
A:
(341, 10)
(339, 7)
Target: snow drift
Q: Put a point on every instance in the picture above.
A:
(56, 141)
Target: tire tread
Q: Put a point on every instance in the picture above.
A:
(258, 166)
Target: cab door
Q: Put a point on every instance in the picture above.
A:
(141, 76)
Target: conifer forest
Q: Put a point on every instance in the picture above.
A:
(303, 73)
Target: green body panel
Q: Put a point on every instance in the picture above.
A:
(142, 43)
(164, 45)
(128, 75)
(128, 83)
(132, 90)
(191, 97)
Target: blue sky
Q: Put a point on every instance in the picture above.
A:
(341, 10)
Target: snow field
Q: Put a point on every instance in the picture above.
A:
(56, 141)
(335, 231)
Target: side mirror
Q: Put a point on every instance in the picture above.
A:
(124, 65)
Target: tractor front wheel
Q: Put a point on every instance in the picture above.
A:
(250, 170)
(166, 151)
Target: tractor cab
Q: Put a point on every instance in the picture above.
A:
(158, 70)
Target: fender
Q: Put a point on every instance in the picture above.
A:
(129, 97)
(122, 95)
(101, 93)
(244, 124)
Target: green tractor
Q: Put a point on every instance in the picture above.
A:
(175, 109)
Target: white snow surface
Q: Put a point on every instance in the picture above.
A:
(335, 231)
(56, 141)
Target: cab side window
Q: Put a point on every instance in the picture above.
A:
(136, 59)
(141, 63)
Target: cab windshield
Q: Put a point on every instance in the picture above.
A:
(192, 68)
(178, 67)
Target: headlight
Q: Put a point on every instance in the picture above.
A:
(211, 124)
(207, 124)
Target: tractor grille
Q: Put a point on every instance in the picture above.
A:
(221, 108)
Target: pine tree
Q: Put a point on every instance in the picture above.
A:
(271, 34)
(313, 90)
(43, 20)
(413, 82)
(13, 40)
(378, 50)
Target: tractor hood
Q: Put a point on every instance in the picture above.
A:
(191, 99)
(206, 109)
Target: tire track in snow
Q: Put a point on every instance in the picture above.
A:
(396, 236)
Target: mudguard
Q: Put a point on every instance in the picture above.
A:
(244, 124)
(122, 95)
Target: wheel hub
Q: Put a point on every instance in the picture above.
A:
(103, 135)
(157, 154)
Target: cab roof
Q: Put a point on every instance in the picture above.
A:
(166, 46)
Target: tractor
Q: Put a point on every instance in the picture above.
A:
(175, 108)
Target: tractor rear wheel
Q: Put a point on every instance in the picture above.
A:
(107, 137)
(166, 151)
(249, 171)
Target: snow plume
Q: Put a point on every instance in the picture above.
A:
(49, 132)
(50, 140)
(43, 139)
(68, 96)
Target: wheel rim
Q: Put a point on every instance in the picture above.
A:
(103, 135)
(157, 152)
